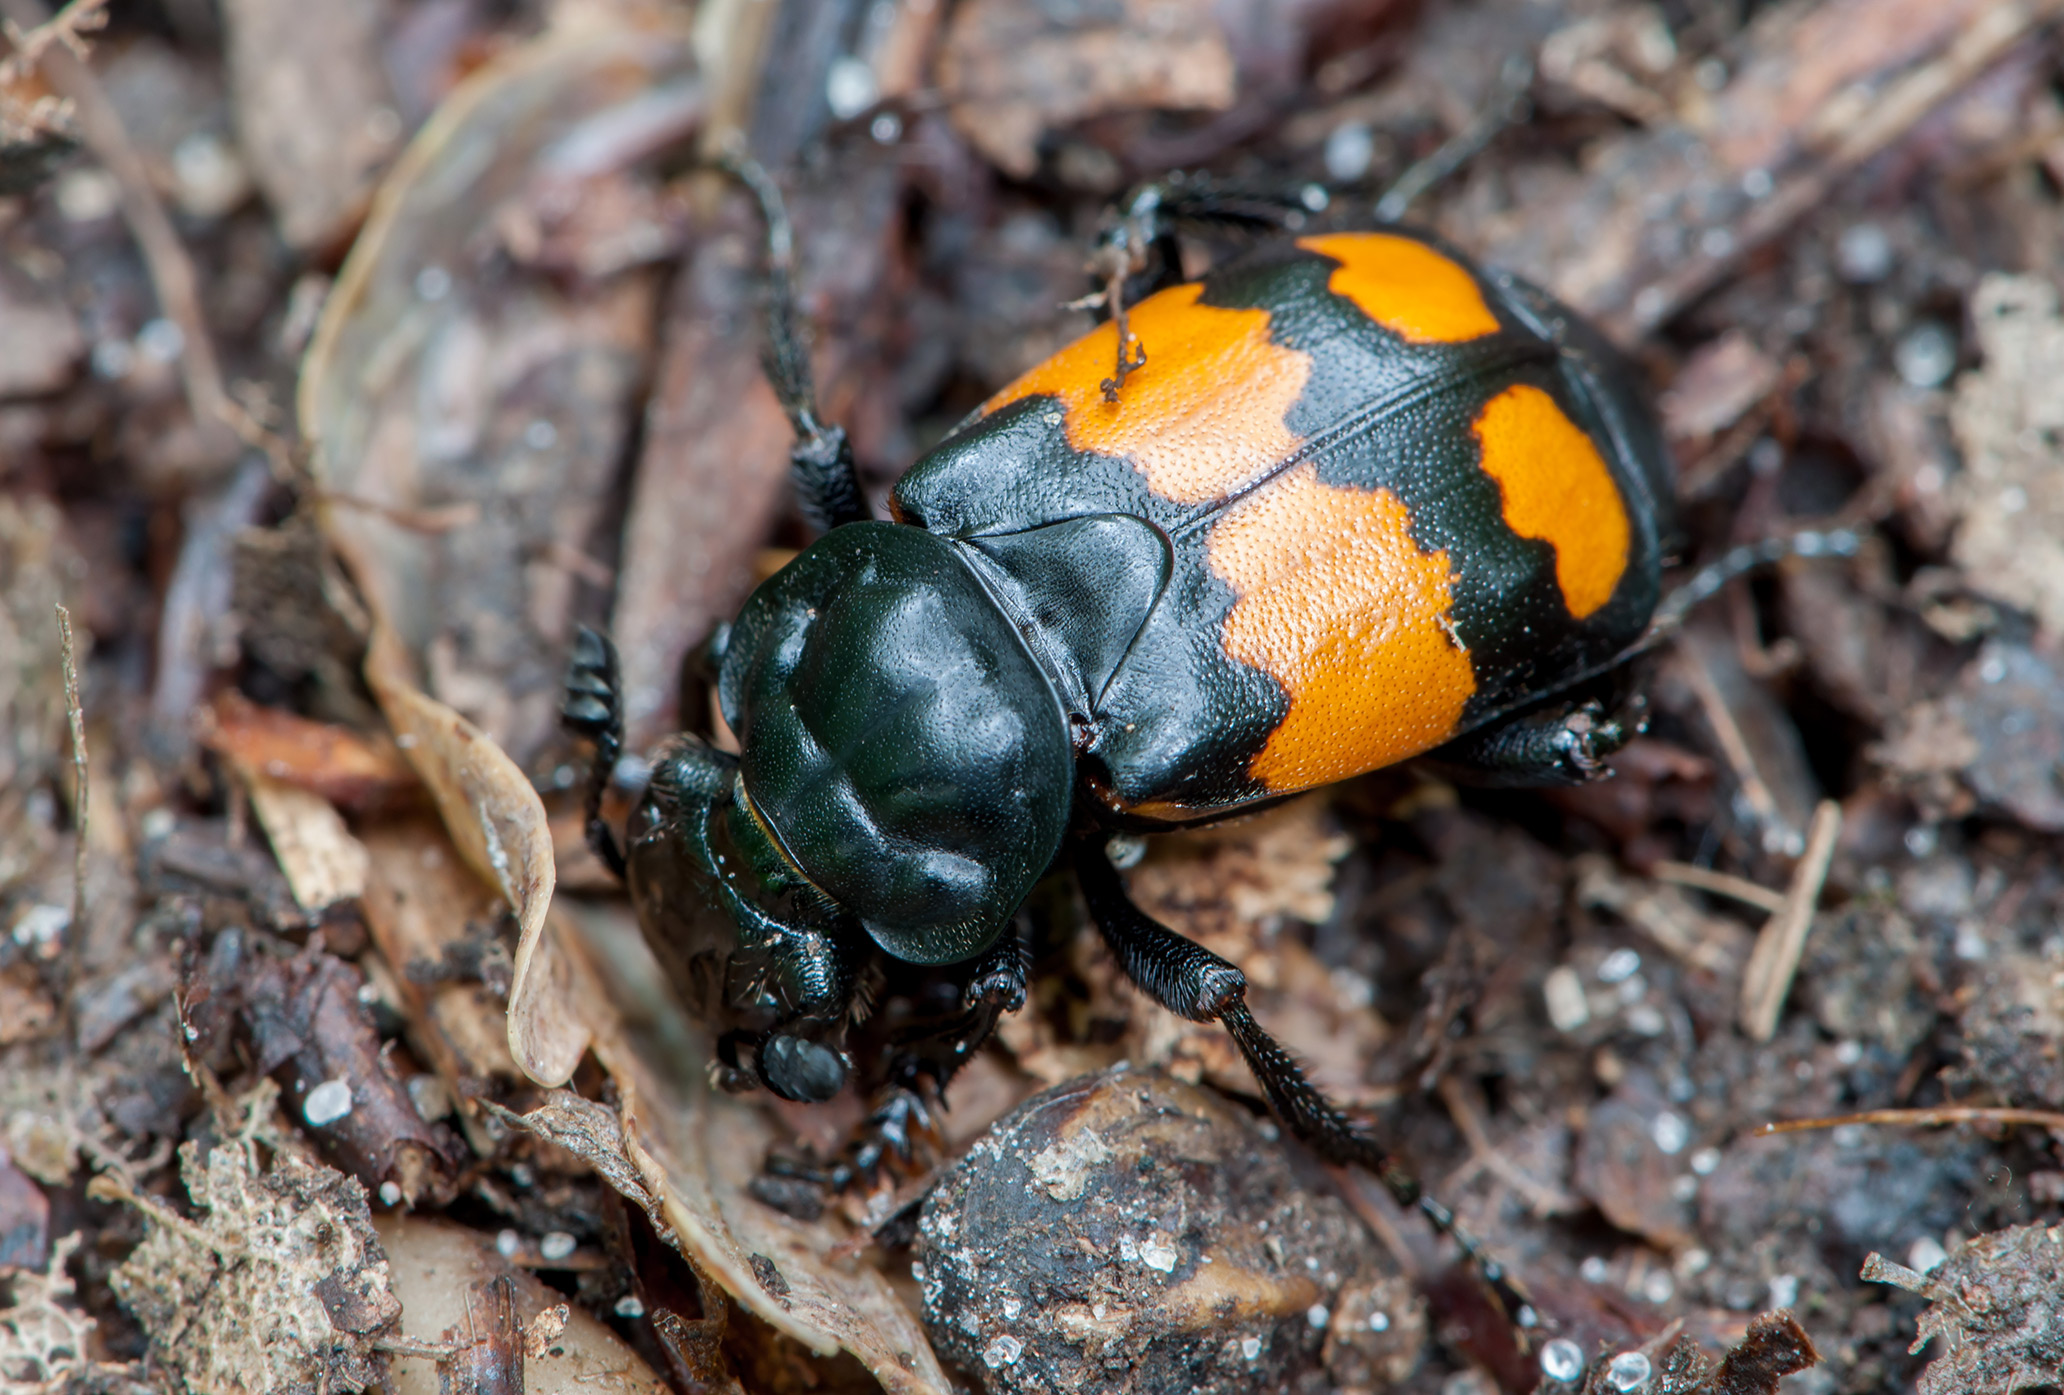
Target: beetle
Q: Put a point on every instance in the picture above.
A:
(1348, 500)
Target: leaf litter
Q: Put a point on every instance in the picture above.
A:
(1548, 970)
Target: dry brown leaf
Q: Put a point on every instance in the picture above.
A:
(344, 767)
(468, 410)
(44, 1341)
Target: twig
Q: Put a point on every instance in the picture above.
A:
(1508, 105)
(1720, 884)
(2050, 1119)
(76, 712)
(1728, 734)
(171, 270)
(19, 121)
(1768, 978)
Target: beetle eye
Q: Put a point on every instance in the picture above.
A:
(801, 1070)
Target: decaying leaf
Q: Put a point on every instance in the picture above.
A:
(1996, 1312)
(43, 1339)
(440, 382)
(279, 1282)
(469, 411)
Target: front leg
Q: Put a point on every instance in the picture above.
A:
(922, 1060)
(827, 484)
(1192, 982)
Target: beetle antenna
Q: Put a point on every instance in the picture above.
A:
(593, 708)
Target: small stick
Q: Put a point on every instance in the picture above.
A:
(1720, 884)
(1768, 978)
(2050, 1119)
(1728, 734)
(76, 712)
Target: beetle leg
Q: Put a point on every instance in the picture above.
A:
(593, 708)
(1137, 253)
(821, 458)
(920, 1066)
(927, 1057)
(1566, 744)
(1190, 981)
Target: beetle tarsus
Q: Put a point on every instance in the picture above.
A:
(1192, 982)
(1566, 744)
(593, 708)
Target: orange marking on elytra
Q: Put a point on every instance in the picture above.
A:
(1406, 286)
(1556, 488)
(1202, 417)
(1340, 606)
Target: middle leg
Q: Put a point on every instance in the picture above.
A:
(1192, 982)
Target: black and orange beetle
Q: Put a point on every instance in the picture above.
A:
(1349, 500)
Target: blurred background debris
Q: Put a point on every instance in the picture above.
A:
(352, 354)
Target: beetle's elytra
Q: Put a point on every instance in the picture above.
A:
(1360, 502)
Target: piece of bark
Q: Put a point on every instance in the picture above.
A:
(309, 1028)
(352, 771)
(1013, 69)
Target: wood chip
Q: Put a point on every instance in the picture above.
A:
(323, 862)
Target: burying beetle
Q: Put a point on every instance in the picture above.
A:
(1346, 501)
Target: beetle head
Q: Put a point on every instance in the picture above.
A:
(753, 949)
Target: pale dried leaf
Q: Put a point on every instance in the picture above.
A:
(498, 823)
(440, 1272)
(44, 1340)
